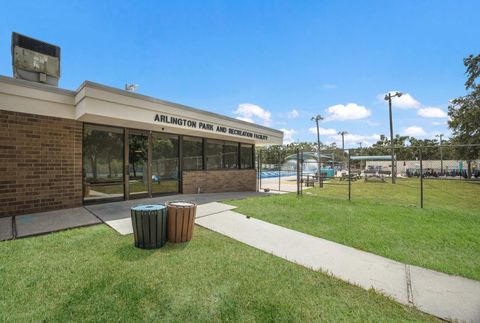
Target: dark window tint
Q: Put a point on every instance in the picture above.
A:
(103, 152)
(164, 163)
(246, 156)
(214, 154)
(192, 153)
(230, 155)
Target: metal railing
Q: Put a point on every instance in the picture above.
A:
(366, 173)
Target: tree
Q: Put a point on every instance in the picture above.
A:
(464, 113)
(137, 151)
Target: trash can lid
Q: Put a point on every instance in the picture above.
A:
(181, 204)
(148, 207)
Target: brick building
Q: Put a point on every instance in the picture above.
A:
(62, 148)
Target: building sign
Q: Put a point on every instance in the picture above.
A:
(188, 123)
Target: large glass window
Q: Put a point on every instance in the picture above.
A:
(214, 154)
(102, 162)
(137, 163)
(246, 156)
(230, 155)
(221, 154)
(164, 163)
(192, 153)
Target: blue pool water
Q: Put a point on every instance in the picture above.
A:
(270, 174)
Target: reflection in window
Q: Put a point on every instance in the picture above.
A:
(246, 156)
(137, 163)
(164, 163)
(214, 154)
(230, 155)
(102, 162)
(192, 153)
(221, 154)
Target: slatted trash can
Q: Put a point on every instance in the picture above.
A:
(149, 225)
(181, 217)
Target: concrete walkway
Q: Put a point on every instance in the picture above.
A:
(124, 226)
(447, 297)
(6, 228)
(115, 214)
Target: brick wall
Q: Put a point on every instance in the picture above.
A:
(214, 181)
(40, 163)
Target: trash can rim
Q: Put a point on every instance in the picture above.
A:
(181, 203)
(147, 207)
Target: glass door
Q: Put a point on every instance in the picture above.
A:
(137, 164)
(103, 154)
(164, 163)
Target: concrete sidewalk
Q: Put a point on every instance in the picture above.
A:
(447, 297)
(114, 214)
(124, 225)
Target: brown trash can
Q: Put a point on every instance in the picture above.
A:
(180, 219)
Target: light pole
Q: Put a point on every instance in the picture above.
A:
(388, 97)
(441, 152)
(361, 162)
(343, 133)
(317, 118)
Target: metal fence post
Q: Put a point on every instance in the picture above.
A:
(260, 169)
(301, 173)
(421, 177)
(349, 178)
(298, 172)
(279, 168)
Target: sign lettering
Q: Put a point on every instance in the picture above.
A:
(207, 126)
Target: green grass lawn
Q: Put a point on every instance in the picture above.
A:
(385, 219)
(94, 274)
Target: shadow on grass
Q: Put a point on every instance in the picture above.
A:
(129, 252)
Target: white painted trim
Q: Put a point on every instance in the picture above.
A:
(96, 103)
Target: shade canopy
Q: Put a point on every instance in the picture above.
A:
(386, 157)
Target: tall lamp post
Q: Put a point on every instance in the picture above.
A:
(317, 118)
(388, 97)
(441, 152)
(343, 133)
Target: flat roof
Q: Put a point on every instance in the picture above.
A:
(54, 89)
(172, 104)
(98, 103)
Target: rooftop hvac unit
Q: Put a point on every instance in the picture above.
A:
(35, 60)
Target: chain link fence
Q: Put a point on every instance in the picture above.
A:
(411, 176)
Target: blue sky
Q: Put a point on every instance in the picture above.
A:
(276, 63)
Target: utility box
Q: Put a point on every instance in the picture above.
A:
(34, 60)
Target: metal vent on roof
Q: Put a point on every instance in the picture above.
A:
(35, 60)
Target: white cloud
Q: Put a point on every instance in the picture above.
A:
(354, 139)
(288, 135)
(245, 119)
(293, 114)
(249, 112)
(414, 131)
(432, 112)
(331, 135)
(323, 131)
(406, 101)
(351, 111)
